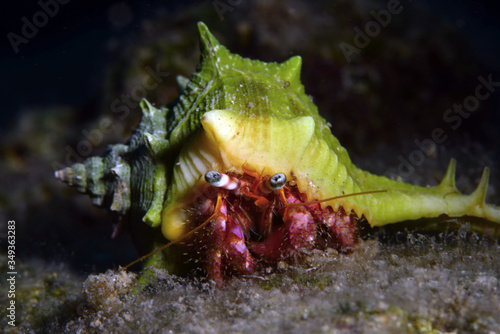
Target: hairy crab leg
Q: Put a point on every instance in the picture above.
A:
(226, 242)
(216, 238)
(226, 246)
(237, 255)
(300, 224)
(341, 227)
(297, 231)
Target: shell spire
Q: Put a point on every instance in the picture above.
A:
(126, 172)
(87, 177)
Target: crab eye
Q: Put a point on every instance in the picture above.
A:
(213, 178)
(277, 181)
(221, 180)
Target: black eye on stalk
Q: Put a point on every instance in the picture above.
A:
(277, 181)
(213, 178)
(221, 180)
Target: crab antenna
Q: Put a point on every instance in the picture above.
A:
(337, 197)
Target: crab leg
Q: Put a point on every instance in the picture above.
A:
(237, 255)
(297, 231)
(216, 236)
(341, 226)
(300, 224)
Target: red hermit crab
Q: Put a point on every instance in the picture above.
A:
(242, 168)
(251, 217)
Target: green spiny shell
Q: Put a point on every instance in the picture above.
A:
(241, 115)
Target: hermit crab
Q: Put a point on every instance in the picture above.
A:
(242, 170)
